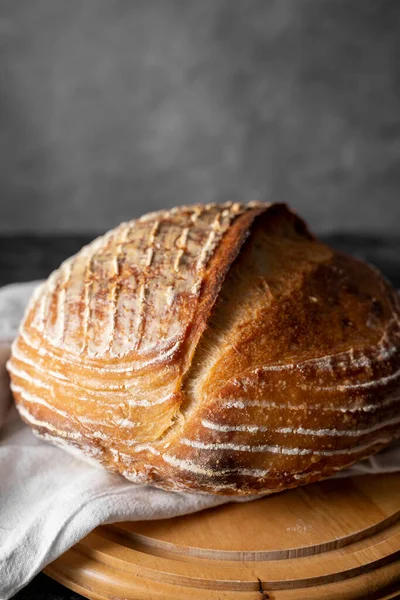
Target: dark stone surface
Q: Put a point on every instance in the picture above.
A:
(111, 109)
(44, 588)
(26, 258)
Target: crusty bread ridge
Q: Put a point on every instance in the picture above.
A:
(217, 348)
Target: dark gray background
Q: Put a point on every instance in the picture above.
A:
(110, 108)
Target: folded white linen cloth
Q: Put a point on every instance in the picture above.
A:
(49, 500)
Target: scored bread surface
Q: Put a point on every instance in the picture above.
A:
(216, 348)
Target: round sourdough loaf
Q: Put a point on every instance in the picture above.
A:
(217, 348)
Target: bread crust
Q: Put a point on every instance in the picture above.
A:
(148, 354)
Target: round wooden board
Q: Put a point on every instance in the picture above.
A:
(335, 539)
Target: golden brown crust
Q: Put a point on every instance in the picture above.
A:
(216, 348)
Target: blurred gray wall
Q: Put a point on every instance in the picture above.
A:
(110, 108)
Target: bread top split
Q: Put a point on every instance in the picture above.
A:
(216, 348)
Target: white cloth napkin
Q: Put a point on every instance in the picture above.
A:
(49, 500)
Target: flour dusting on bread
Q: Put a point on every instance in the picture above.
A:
(212, 348)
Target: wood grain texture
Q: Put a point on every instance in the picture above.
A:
(336, 539)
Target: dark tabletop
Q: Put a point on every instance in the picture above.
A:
(24, 258)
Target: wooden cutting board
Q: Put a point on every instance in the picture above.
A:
(335, 539)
